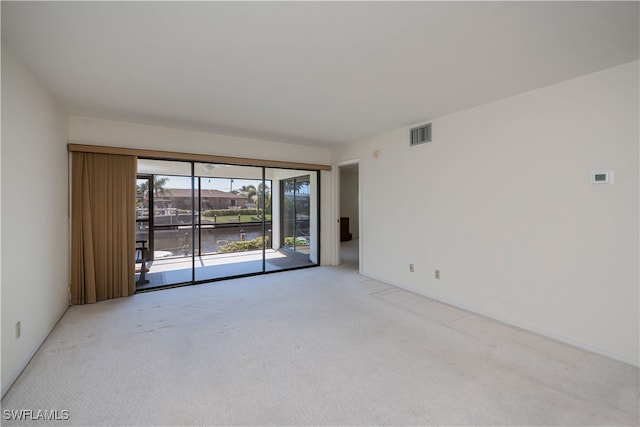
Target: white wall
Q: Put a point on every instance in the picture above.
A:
(93, 131)
(35, 249)
(500, 202)
(349, 199)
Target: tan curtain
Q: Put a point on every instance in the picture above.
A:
(103, 227)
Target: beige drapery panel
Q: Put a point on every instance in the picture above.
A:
(102, 227)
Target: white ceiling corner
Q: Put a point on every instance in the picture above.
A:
(319, 73)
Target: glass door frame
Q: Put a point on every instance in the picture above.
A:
(150, 206)
(196, 223)
(307, 179)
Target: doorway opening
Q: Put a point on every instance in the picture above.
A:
(349, 214)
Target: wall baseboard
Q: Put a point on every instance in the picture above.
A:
(511, 322)
(7, 383)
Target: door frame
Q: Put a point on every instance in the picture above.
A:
(282, 210)
(337, 189)
(150, 209)
(196, 223)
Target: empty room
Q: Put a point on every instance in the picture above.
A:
(320, 213)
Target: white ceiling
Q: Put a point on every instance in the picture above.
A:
(309, 72)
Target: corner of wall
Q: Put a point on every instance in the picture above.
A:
(500, 201)
(34, 159)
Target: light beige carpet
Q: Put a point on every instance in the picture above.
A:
(322, 346)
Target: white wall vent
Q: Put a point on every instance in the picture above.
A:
(420, 135)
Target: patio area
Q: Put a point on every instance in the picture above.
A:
(178, 270)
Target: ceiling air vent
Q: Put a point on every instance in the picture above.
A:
(421, 134)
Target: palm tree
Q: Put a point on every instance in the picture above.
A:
(142, 193)
(142, 190)
(158, 186)
(249, 191)
(262, 189)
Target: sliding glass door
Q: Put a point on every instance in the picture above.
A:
(164, 218)
(204, 221)
(296, 214)
(295, 235)
(230, 222)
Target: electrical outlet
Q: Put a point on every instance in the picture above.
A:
(437, 274)
(18, 331)
(411, 269)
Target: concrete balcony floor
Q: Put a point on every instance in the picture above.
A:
(178, 270)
